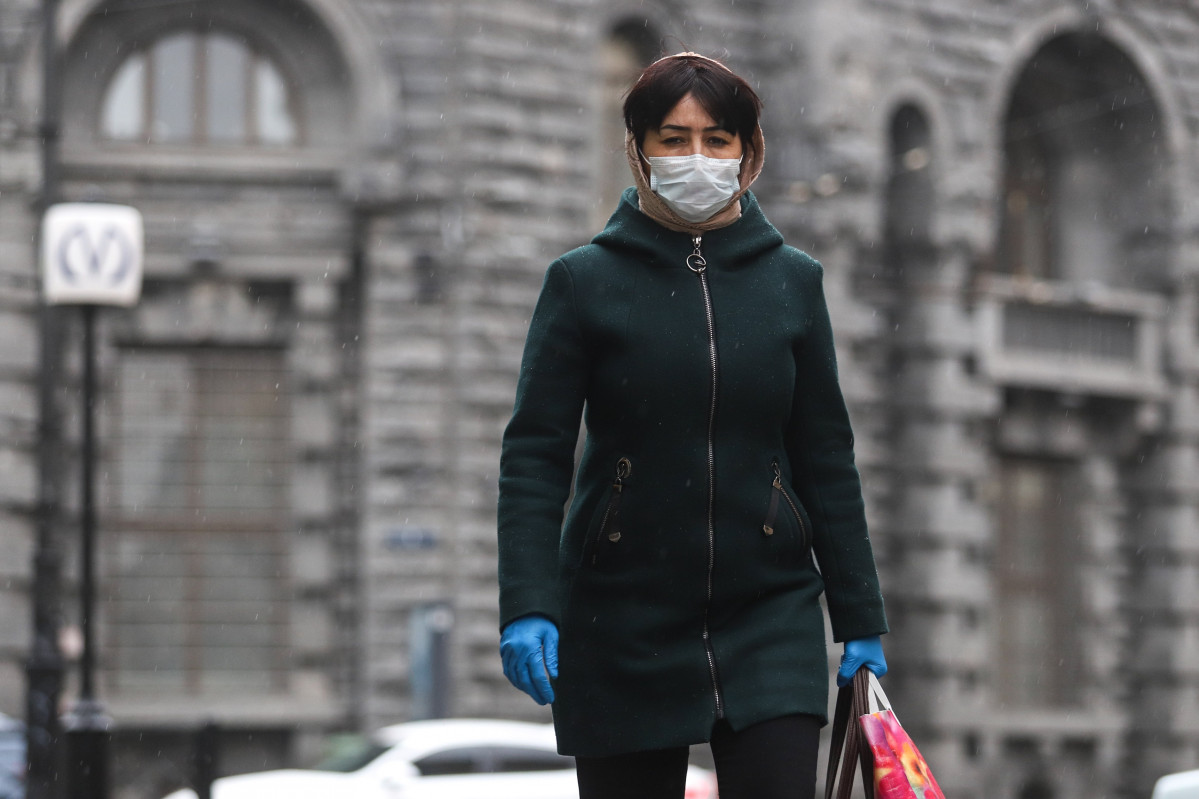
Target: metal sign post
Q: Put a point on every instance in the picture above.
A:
(91, 256)
(44, 667)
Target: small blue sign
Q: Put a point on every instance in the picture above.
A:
(409, 537)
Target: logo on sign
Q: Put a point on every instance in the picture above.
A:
(92, 254)
(103, 259)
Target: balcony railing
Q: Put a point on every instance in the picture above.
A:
(1085, 339)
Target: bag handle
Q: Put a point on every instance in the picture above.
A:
(877, 701)
(852, 702)
(840, 729)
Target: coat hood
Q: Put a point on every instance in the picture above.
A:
(630, 230)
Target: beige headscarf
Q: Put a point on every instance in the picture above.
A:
(656, 208)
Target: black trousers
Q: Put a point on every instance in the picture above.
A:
(775, 759)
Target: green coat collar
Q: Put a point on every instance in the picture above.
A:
(632, 232)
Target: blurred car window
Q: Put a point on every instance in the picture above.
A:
(492, 760)
(522, 758)
(352, 758)
(464, 760)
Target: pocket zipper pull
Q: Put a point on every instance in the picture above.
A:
(776, 489)
(624, 467)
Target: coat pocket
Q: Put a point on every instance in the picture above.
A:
(782, 501)
(605, 541)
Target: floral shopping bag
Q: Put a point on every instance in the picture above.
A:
(899, 770)
(891, 765)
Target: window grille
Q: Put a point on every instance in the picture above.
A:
(1083, 339)
(1035, 579)
(1071, 332)
(197, 586)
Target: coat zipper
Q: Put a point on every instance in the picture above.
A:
(768, 527)
(697, 264)
(612, 513)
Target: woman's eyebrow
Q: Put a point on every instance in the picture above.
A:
(708, 129)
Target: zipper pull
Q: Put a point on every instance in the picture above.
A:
(695, 261)
(768, 525)
(624, 468)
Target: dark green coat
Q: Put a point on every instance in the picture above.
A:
(675, 606)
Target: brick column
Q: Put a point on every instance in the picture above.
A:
(939, 588)
(1162, 601)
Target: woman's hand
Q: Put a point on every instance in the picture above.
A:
(861, 652)
(529, 647)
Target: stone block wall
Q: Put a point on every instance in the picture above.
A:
(411, 251)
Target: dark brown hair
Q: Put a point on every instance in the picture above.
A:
(726, 97)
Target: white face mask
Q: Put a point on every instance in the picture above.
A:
(694, 186)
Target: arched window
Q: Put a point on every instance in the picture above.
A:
(909, 200)
(1084, 196)
(200, 87)
(625, 52)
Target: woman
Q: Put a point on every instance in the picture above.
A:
(679, 601)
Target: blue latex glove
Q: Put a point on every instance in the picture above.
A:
(529, 647)
(861, 652)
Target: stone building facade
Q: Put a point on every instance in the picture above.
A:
(349, 206)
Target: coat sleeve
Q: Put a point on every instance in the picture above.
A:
(820, 447)
(537, 457)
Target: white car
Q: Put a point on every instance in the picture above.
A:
(1184, 785)
(12, 758)
(443, 759)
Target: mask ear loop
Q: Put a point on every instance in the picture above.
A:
(646, 166)
(647, 169)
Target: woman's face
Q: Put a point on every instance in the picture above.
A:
(688, 130)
